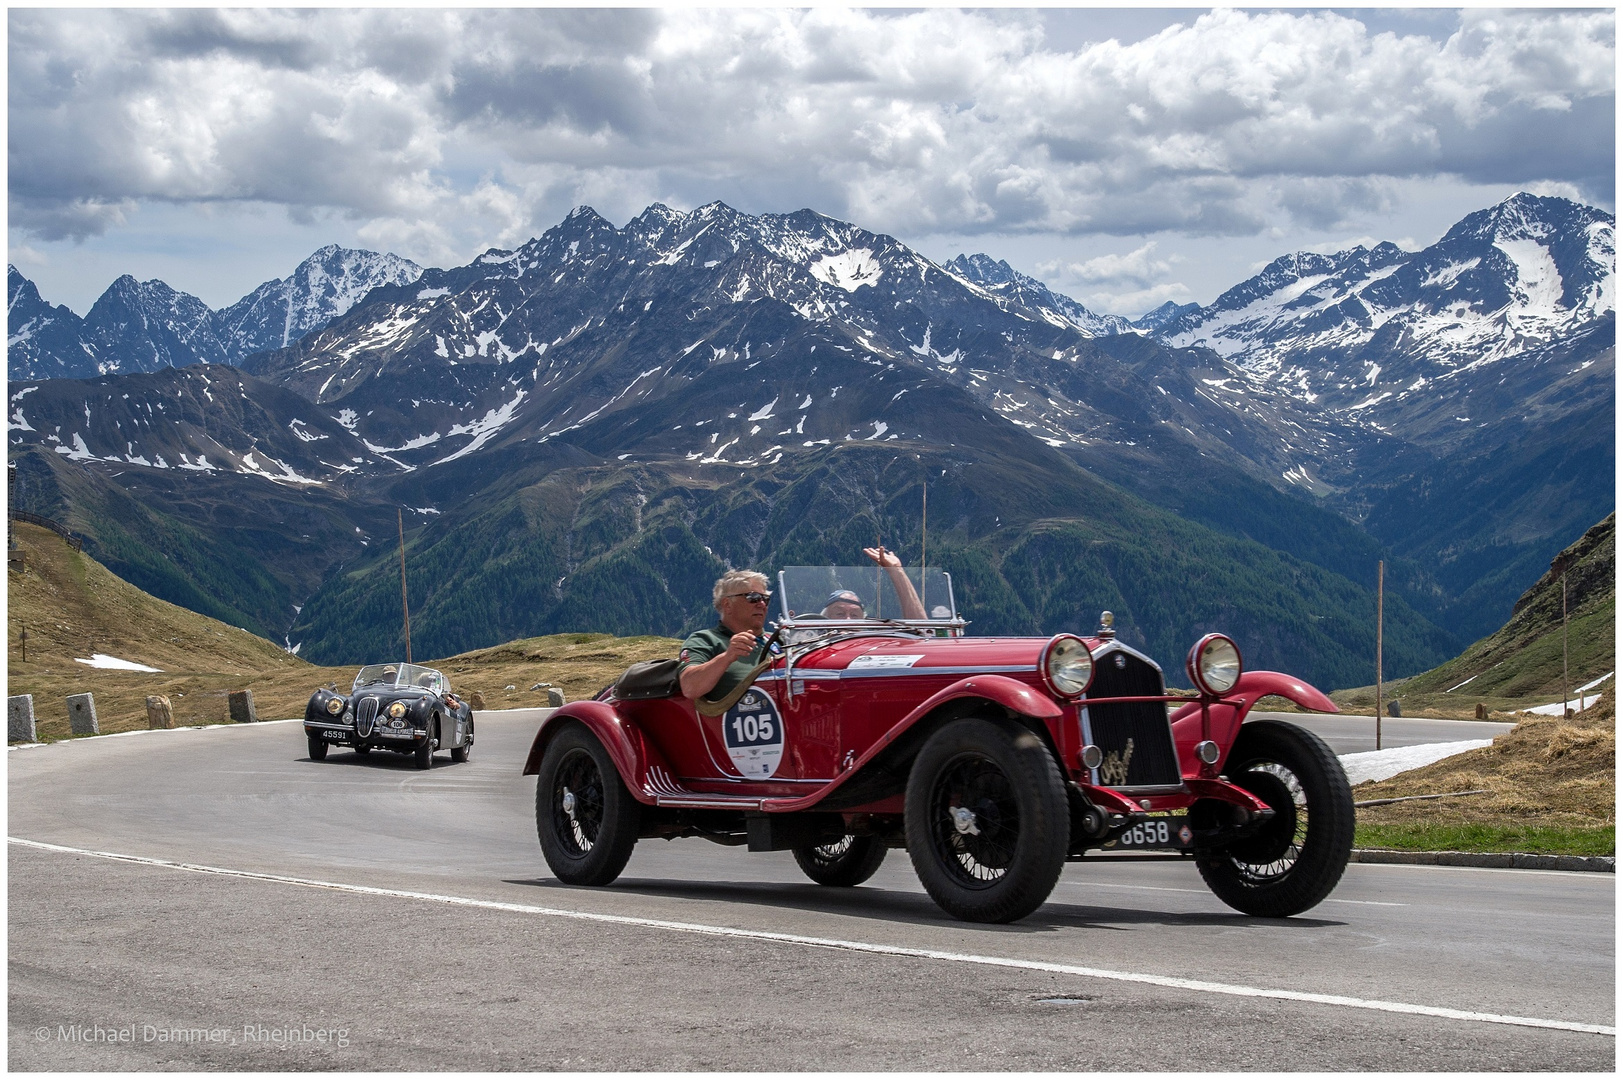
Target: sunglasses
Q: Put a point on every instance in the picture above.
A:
(753, 597)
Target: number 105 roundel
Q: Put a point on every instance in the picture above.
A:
(992, 761)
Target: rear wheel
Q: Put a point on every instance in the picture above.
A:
(848, 861)
(585, 817)
(460, 753)
(318, 747)
(987, 820)
(1294, 860)
(362, 750)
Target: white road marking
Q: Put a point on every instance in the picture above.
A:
(1172, 982)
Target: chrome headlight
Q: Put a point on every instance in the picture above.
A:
(335, 705)
(397, 709)
(1067, 665)
(1214, 664)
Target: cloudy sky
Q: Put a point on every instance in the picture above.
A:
(1127, 157)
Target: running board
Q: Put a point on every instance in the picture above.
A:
(665, 791)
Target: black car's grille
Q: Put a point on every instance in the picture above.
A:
(366, 711)
(1142, 725)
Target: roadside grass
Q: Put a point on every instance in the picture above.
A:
(1549, 787)
(1482, 837)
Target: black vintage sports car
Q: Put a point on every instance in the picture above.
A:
(400, 707)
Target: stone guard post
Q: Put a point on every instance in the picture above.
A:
(82, 714)
(160, 714)
(20, 718)
(242, 707)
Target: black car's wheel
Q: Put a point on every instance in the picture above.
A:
(1295, 859)
(586, 818)
(424, 756)
(361, 750)
(318, 747)
(987, 820)
(460, 753)
(848, 861)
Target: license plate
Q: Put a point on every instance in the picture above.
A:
(337, 736)
(1161, 832)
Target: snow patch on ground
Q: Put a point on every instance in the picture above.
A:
(113, 663)
(849, 270)
(1383, 764)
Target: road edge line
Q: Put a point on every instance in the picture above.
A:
(1168, 981)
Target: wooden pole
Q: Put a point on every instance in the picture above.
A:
(1380, 605)
(405, 607)
(1564, 682)
(924, 540)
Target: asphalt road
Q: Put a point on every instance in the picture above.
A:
(425, 933)
(1351, 734)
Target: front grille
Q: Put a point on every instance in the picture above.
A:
(1152, 760)
(366, 711)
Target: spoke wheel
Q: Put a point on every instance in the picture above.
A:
(424, 755)
(851, 860)
(1295, 859)
(586, 819)
(461, 753)
(318, 748)
(987, 820)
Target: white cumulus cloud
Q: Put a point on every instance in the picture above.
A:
(448, 131)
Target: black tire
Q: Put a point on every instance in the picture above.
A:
(318, 747)
(1294, 861)
(846, 862)
(362, 750)
(423, 758)
(585, 817)
(987, 820)
(460, 754)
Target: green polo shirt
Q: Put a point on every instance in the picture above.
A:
(706, 644)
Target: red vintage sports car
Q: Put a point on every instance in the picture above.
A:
(993, 761)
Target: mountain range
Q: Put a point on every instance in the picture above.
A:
(146, 325)
(584, 430)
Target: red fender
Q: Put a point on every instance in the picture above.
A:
(630, 752)
(1226, 718)
(1012, 694)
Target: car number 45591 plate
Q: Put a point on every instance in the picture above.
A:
(1164, 832)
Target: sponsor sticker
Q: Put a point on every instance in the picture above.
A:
(880, 660)
(753, 732)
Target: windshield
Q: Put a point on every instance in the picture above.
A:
(865, 593)
(400, 675)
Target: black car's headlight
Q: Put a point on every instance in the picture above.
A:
(397, 709)
(335, 705)
(1214, 664)
(1067, 666)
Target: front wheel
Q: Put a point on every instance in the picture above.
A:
(848, 861)
(1294, 860)
(318, 747)
(987, 820)
(585, 817)
(424, 757)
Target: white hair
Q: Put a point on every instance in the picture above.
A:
(754, 579)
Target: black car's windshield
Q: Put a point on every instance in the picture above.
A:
(400, 675)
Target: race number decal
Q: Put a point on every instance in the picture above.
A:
(753, 731)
